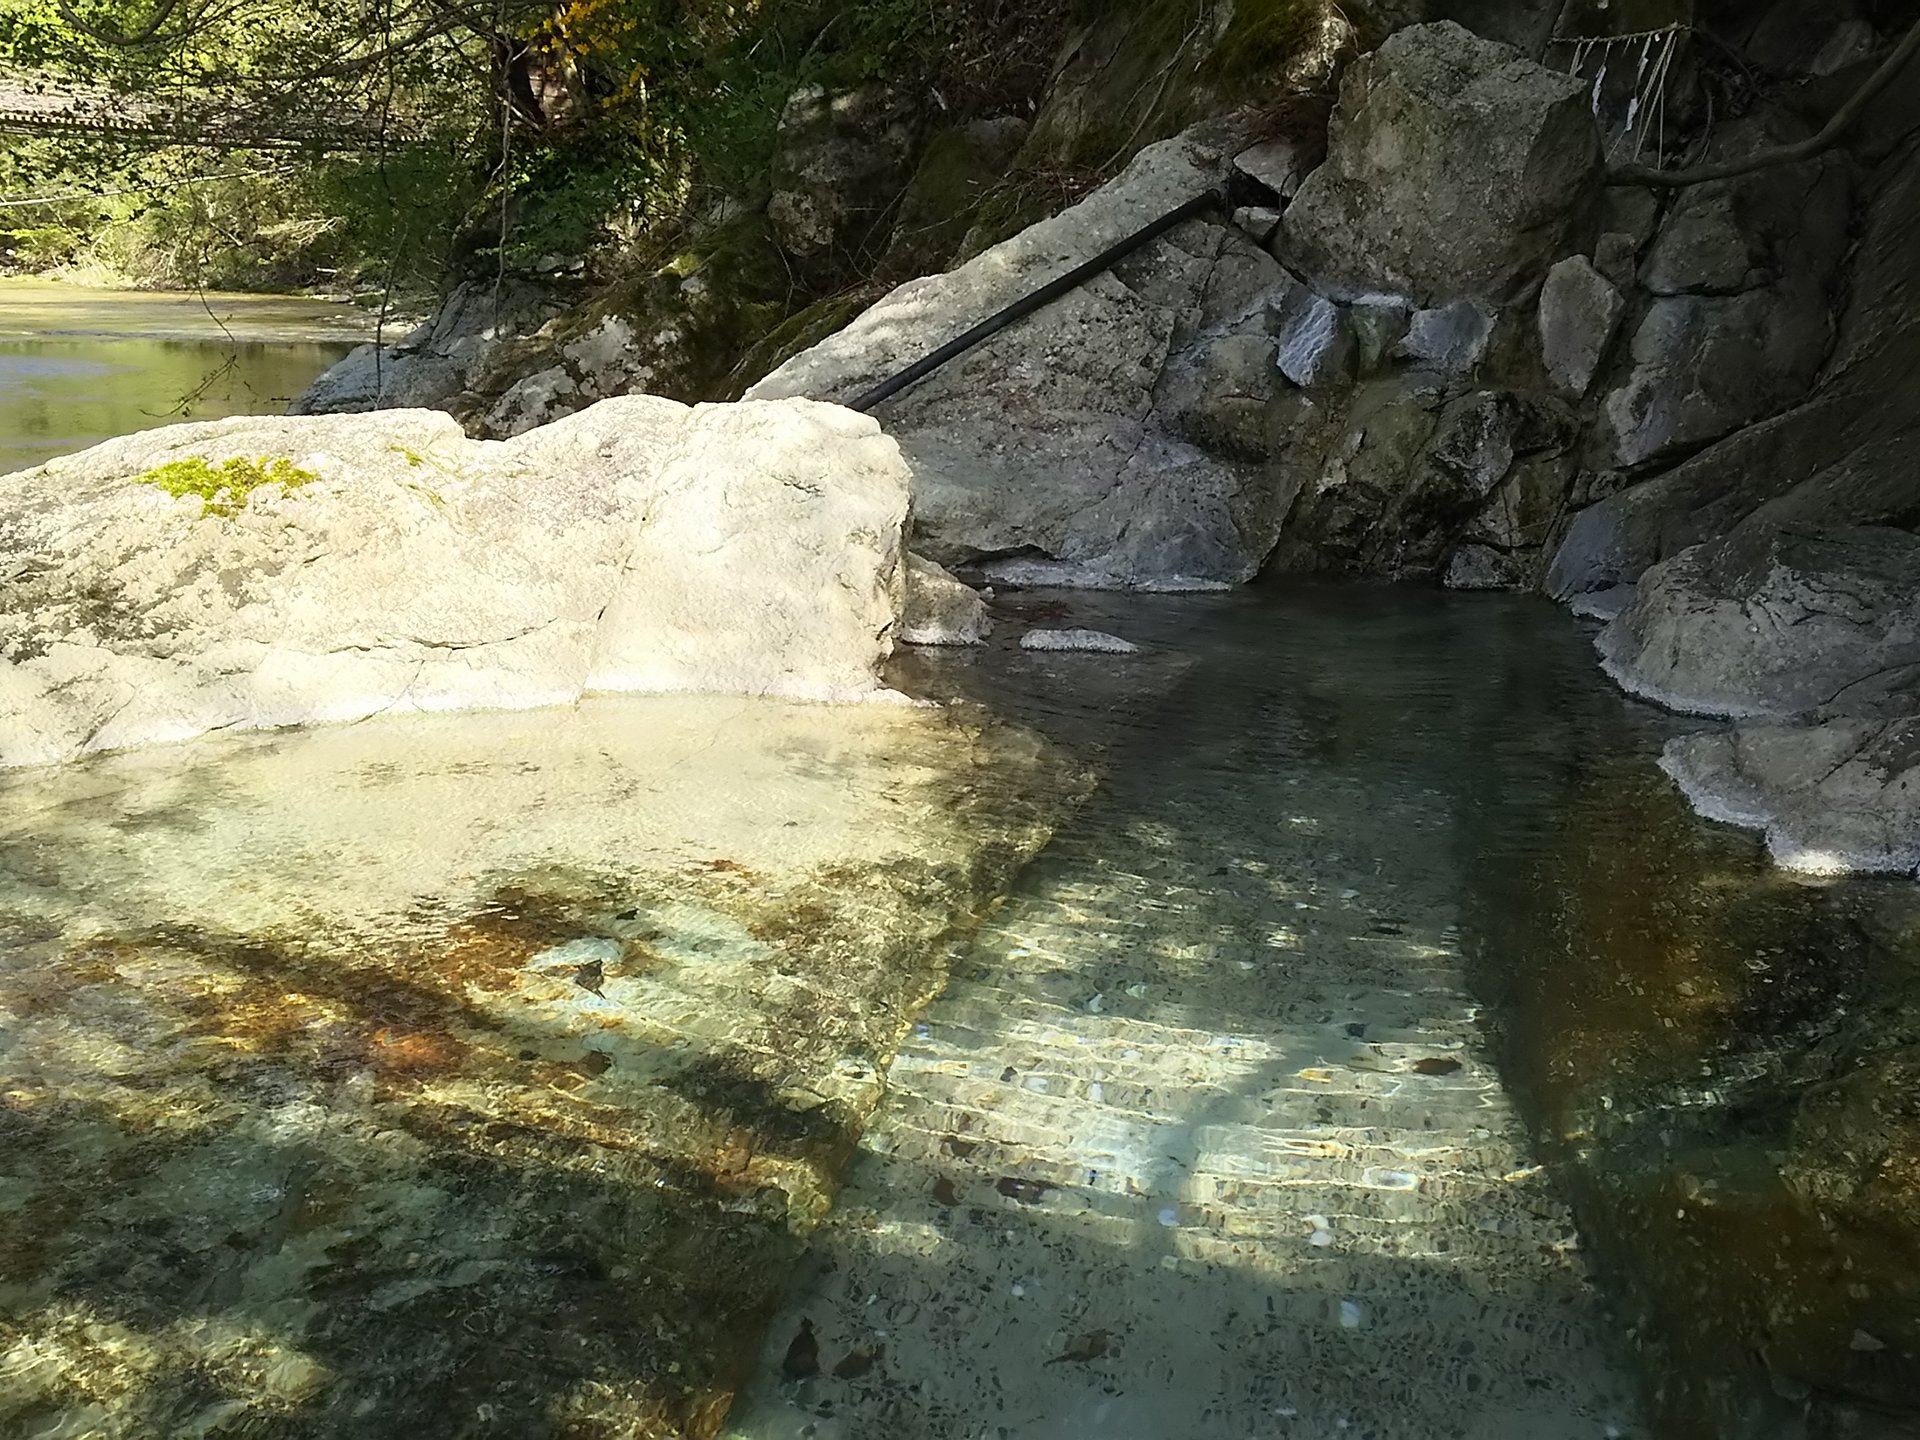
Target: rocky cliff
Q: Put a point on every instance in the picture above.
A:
(1462, 325)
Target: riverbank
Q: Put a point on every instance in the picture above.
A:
(370, 300)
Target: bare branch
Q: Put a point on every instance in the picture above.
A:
(1830, 134)
(144, 35)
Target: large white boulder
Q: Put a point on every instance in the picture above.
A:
(640, 545)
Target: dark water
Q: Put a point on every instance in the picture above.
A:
(78, 365)
(1718, 1065)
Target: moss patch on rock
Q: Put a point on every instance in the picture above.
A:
(223, 489)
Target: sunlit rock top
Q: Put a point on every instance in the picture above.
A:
(254, 573)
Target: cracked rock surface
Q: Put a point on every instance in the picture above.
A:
(641, 545)
(1114, 439)
(1811, 638)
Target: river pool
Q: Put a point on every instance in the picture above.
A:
(1326, 1022)
(79, 364)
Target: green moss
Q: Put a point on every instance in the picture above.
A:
(223, 489)
(409, 456)
(799, 331)
(1263, 39)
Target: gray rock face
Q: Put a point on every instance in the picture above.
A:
(1454, 170)
(1832, 797)
(430, 366)
(1259, 223)
(1315, 342)
(1579, 311)
(1742, 271)
(1774, 576)
(1429, 445)
(640, 545)
(1388, 478)
(1849, 455)
(839, 161)
(1449, 338)
(1481, 567)
(1779, 622)
(1704, 365)
(1104, 441)
(1281, 164)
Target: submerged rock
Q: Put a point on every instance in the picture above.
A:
(455, 1066)
(1095, 641)
(391, 564)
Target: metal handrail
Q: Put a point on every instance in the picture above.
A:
(1046, 294)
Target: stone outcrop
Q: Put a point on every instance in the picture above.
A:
(839, 163)
(940, 610)
(638, 546)
(1455, 169)
(1428, 422)
(431, 365)
(1740, 275)
(1169, 423)
(1113, 439)
(662, 333)
(1579, 312)
(1771, 576)
(1397, 475)
(1810, 636)
(1850, 453)
(1782, 622)
(1657, 324)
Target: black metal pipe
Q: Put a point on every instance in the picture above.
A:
(1025, 306)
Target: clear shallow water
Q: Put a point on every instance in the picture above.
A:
(458, 1075)
(1385, 1050)
(78, 365)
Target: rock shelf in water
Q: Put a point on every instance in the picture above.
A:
(461, 1070)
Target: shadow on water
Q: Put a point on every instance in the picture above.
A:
(1208, 1087)
(513, 1134)
(1721, 1063)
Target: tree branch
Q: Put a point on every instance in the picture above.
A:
(1842, 121)
(141, 36)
